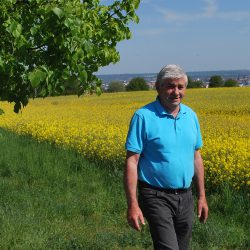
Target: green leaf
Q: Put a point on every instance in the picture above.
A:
(11, 26)
(136, 3)
(80, 54)
(58, 12)
(19, 28)
(62, 88)
(1, 112)
(136, 19)
(33, 30)
(98, 91)
(82, 74)
(43, 92)
(20, 41)
(68, 22)
(65, 74)
(50, 88)
(36, 77)
(1, 63)
(15, 29)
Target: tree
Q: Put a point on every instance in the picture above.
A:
(116, 86)
(231, 83)
(136, 84)
(70, 86)
(194, 84)
(43, 43)
(216, 81)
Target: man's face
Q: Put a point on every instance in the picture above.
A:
(171, 92)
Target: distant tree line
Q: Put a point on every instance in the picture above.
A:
(194, 83)
(116, 86)
(214, 82)
(139, 84)
(135, 84)
(217, 81)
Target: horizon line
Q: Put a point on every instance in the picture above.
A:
(186, 72)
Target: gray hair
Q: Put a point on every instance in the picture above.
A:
(171, 71)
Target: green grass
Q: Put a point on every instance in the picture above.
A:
(51, 198)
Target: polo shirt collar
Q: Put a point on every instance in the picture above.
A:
(161, 110)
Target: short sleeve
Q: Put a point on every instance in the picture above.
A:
(135, 141)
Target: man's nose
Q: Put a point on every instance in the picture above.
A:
(176, 90)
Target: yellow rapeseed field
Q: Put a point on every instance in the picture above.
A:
(97, 127)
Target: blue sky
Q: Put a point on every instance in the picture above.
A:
(196, 34)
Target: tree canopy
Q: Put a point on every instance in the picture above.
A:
(231, 83)
(116, 86)
(137, 84)
(216, 81)
(194, 83)
(43, 43)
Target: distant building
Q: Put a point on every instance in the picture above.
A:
(244, 81)
(151, 84)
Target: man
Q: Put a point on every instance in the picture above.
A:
(163, 157)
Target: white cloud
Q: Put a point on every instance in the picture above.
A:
(210, 10)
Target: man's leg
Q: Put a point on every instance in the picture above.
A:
(159, 210)
(183, 221)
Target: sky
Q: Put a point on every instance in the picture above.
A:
(199, 35)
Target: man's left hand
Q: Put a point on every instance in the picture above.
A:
(202, 209)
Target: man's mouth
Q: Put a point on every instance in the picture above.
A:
(175, 98)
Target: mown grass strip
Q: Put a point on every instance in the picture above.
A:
(51, 198)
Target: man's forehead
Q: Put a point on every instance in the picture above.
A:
(175, 81)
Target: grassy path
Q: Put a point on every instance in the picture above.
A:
(51, 198)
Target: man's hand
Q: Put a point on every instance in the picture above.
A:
(202, 209)
(134, 213)
(135, 217)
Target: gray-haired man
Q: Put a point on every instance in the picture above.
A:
(163, 157)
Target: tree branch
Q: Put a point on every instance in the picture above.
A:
(38, 47)
(110, 15)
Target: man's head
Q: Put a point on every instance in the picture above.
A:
(171, 84)
(171, 71)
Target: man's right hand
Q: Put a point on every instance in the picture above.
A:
(134, 213)
(135, 217)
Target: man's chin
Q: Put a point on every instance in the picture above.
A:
(175, 102)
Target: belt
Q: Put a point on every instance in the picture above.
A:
(143, 184)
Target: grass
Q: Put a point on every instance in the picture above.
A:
(51, 198)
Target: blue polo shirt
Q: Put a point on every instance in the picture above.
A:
(166, 145)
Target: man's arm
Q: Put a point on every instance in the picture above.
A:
(200, 186)
(134, 213)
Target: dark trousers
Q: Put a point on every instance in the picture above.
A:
(169, 215)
